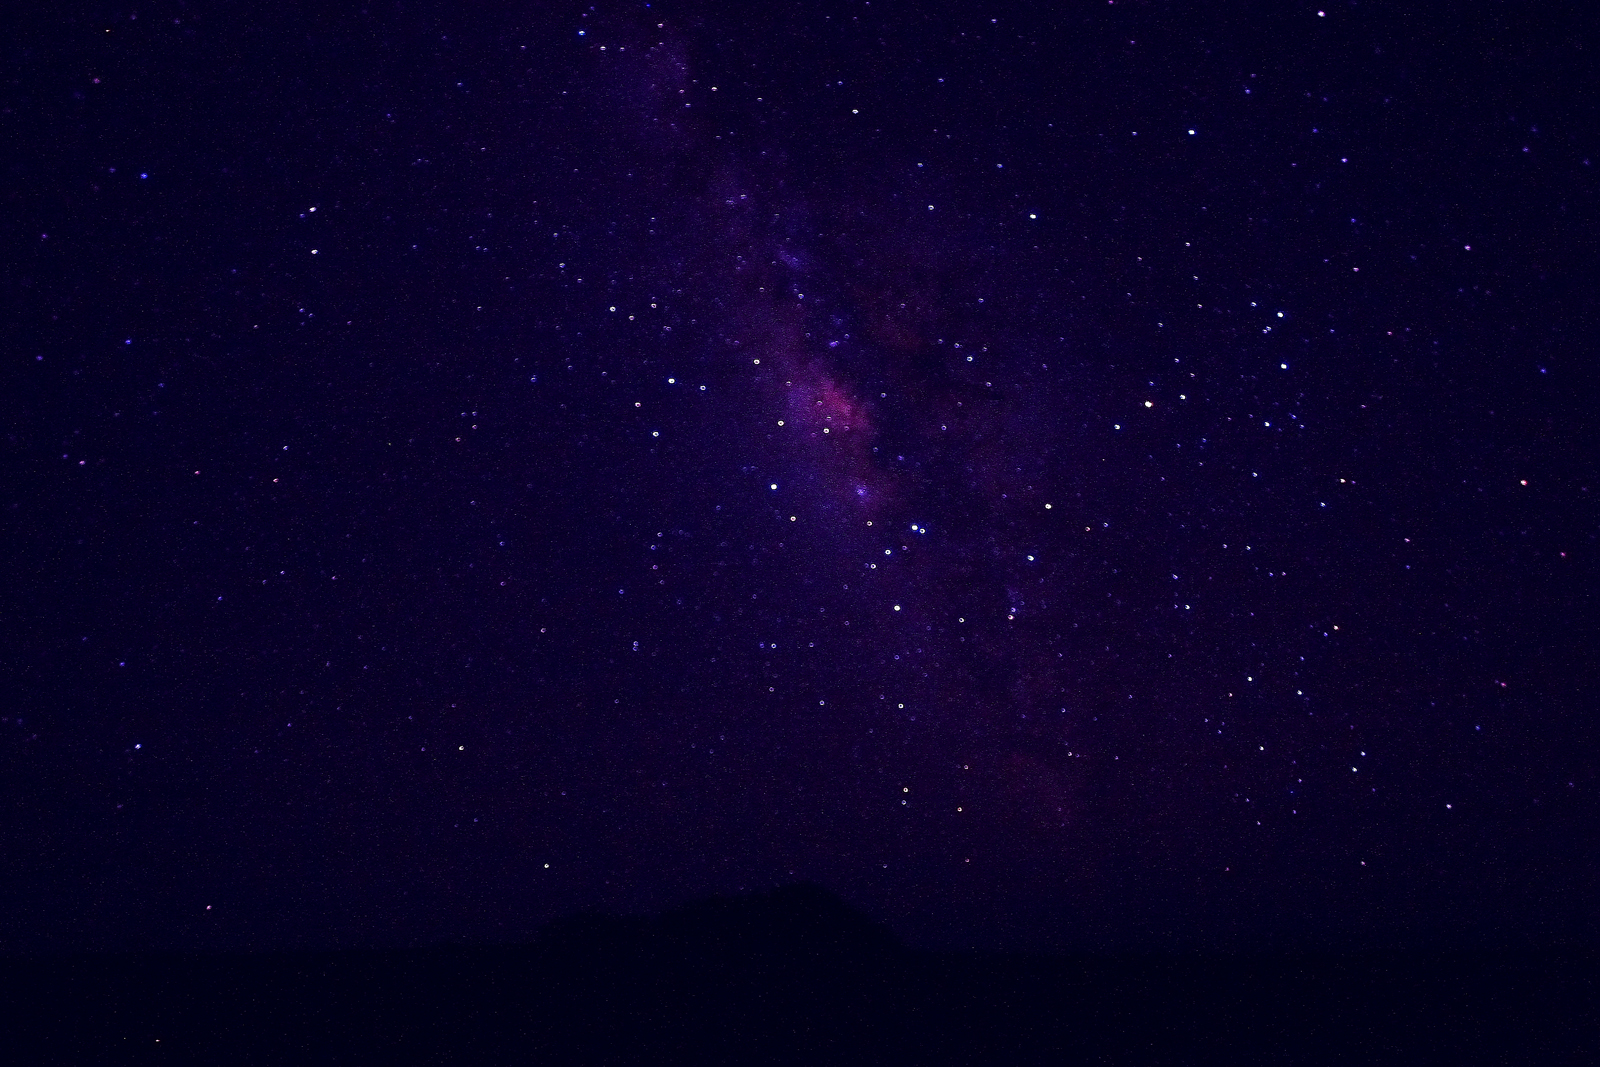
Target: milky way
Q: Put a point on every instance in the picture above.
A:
(909, 462)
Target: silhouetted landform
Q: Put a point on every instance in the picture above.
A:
(793, 976)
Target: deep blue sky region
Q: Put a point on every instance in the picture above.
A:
(1104, 475)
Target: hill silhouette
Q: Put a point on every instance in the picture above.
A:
(790, 976)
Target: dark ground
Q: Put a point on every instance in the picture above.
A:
(795, 977)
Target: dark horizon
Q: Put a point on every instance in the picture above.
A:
(795, 976)
(1107, 480)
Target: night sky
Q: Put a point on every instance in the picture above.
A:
(1110, 475)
